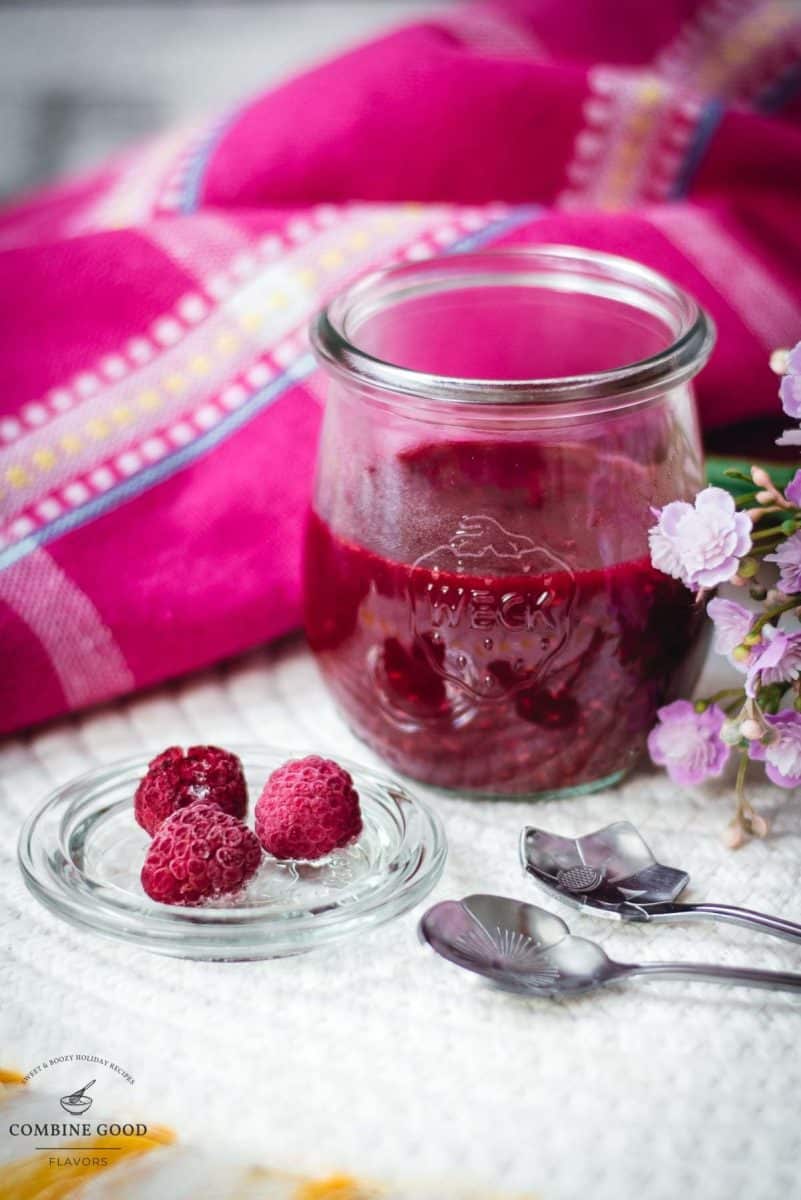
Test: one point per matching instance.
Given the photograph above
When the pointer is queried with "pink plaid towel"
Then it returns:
(158, 415)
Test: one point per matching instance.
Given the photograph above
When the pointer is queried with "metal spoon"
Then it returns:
(614, 873)
(525, 949)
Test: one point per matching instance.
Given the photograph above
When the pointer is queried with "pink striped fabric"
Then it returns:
(157, 379)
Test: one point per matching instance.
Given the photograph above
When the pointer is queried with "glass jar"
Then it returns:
(478, 588)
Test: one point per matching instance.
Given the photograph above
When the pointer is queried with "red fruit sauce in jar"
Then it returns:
(513, 636)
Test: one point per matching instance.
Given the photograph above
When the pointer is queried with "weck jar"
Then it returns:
(478, 587)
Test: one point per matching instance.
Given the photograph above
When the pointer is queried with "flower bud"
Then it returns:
(758, 825)
(735, 836)
(751, 730)
(761, 477)
(748, 568)
(788, 526)
(701, 706)
(730, 733)
(758, 592)
(780, 362)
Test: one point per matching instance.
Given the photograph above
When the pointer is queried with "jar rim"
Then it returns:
(547, 265)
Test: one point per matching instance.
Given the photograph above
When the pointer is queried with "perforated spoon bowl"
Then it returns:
(524, 949)
(613, 873)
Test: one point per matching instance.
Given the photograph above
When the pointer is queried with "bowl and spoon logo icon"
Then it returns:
(77, 1103)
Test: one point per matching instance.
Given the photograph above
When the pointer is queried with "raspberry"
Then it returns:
(308, 808)
(199, 852)
(175, 779)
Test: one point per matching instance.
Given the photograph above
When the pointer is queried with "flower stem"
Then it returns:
(746, 498)
(723, 693)
(771, 613)
(766, 547)
(744, 809)
(773, 531)
(736, 473)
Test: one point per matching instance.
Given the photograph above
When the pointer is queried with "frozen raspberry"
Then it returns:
(308, 808)
(175, 779)
(199, 852)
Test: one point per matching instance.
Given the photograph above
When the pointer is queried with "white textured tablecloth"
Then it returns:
(377, 1057)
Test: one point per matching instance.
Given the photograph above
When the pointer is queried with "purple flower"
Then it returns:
(788, 556)
(777, 659)
(790, 394)
(782, 756)
(687, 743)
(732, 622)
(790, 386)
(793, 490)
(700, 544)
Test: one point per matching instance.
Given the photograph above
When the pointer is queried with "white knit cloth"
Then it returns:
(378, 1058)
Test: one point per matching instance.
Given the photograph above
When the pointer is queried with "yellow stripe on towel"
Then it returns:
(335, 1187)
(10, 1078)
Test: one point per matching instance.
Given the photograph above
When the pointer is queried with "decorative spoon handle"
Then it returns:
(784, 981)
(775, 926)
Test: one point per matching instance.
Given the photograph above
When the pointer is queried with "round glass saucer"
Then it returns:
(81, 853)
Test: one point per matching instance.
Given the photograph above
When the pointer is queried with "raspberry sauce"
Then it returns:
(497, 652)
